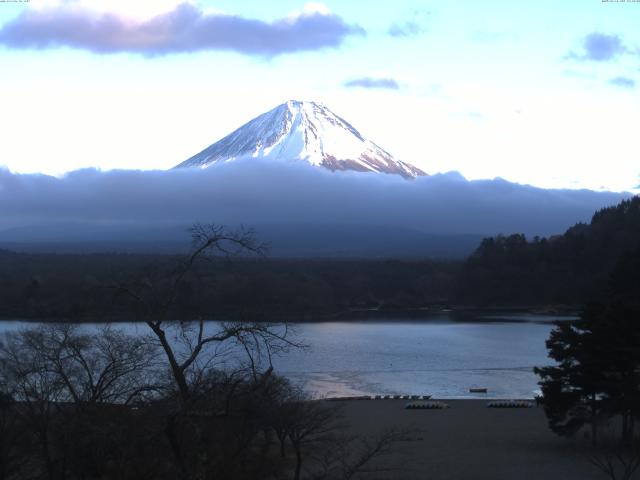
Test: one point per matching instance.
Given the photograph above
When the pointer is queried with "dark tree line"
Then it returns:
(566, 269)
(75, 287)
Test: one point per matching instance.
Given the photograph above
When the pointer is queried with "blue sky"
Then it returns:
(537, 92)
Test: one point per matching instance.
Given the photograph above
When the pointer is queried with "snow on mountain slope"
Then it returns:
(303, 131)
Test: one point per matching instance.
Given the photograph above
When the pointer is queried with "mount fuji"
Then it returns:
(307, 132)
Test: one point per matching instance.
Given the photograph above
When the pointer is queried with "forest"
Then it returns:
(565, 269)
(82, 287)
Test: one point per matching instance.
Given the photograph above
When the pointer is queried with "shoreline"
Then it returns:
(423, 398)
(456, 313)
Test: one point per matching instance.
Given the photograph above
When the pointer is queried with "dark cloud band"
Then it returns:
(184, 29)
(252, 192)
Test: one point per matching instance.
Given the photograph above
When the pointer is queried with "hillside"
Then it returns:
(566, 269)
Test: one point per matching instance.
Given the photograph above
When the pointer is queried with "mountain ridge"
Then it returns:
(303, 131)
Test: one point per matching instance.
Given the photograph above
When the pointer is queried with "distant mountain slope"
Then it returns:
(284, 240)
(570, 268)
(303, 131)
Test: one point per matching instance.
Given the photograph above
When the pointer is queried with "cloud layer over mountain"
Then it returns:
(255, 193)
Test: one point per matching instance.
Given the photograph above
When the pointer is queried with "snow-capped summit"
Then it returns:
(303, 131)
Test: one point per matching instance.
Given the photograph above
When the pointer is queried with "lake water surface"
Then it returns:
(433, 355)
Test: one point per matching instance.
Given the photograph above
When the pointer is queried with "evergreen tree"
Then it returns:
(573, 390)
(572, 268)
(597, 375)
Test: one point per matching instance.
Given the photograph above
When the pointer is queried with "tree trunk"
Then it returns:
(172, 437)
(627, 432)
(298, 463)
(283, 452)
(43, 438)
(594, 420)
(176, 371)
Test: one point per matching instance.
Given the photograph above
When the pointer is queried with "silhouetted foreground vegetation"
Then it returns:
(182, 402)
(597, 376)
(566, 269)
(79, 405)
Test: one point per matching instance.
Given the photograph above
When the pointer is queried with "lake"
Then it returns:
(438, 354)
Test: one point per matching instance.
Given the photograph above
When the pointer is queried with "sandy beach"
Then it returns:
(470, 441)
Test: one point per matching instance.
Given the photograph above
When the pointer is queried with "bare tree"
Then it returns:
(617, 464)
(60, 375)
(184, 355)
(321, 445)
(194, 348)
(104, 366)
(309, 423)
(11, 437)
(348, 457)
(617, 460)
(37, 388)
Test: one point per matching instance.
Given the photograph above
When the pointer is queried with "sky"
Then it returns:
(544, 93)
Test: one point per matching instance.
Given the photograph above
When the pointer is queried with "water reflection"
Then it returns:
(441, 354)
